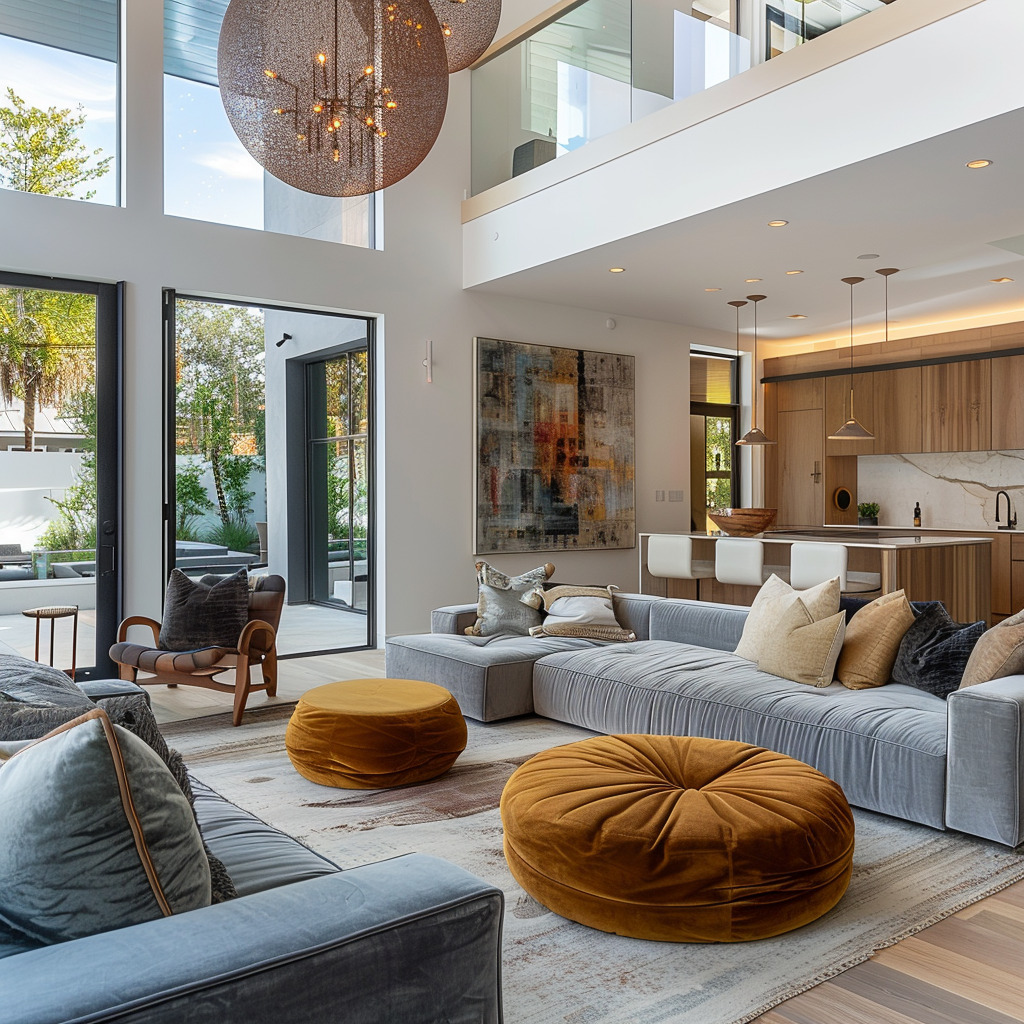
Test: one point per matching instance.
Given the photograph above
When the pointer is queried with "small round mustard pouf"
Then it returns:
(375, 733)
(680, 839)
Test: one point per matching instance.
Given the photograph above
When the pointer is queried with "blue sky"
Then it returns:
(208, 174)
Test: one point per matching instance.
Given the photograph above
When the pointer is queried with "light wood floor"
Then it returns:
(968, 969)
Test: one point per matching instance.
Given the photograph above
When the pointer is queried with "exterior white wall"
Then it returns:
(27, 481)
(425, 451)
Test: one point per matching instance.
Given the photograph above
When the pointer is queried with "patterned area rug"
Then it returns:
(558, 972)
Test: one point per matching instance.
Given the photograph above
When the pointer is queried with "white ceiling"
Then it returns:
(918, 208)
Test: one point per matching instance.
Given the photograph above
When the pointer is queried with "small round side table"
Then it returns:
(57, 612)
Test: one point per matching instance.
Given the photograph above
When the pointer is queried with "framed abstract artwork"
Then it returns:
(554, 451)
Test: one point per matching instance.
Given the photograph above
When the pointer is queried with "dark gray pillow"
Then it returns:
(92, 816)
(935, 651)
(197, 614)
(41, 686)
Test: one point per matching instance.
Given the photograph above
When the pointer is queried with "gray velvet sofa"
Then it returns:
(414, 939)
(956, 764)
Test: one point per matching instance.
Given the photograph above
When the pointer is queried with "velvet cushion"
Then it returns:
(934, 652)
(999, 652)
(97, 835)
(198, 614)
(873, 638)
(375, 733)
(508, 604)
(29, 682)
(678, 838)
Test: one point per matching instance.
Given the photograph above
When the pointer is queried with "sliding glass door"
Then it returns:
(60, 470)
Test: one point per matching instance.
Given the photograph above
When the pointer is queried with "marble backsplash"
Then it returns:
(957, 491)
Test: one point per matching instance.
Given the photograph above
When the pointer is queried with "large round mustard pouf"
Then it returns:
(375, 733)
(676, 838)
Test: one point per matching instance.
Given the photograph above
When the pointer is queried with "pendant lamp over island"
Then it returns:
(755, 435)
(852, 429)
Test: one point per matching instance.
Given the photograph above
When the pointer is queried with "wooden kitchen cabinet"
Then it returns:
(837, 412)
(1007, 407)
(800, 458)
(956, 404)
(793, 395)
(896, 407)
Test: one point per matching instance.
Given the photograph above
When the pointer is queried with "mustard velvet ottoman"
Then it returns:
(678, 839)
(375, 733)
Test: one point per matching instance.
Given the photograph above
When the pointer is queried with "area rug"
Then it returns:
(558, 972)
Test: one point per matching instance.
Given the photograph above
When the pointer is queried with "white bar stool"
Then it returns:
(811, 563)
(740, 561)
(670, 556)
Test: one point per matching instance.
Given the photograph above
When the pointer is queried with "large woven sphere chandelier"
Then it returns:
(468, 27)
(334, 97)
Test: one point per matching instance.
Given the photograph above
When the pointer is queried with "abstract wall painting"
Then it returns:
(555, 448)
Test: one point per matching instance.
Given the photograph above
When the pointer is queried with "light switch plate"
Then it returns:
(677, 495)
(659, 495)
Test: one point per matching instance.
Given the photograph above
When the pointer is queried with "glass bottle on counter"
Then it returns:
(917, 513)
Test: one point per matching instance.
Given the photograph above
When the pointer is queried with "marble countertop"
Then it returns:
(881, 543)
(909, 530)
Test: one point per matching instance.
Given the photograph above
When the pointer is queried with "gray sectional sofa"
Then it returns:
(413, 939)
(956, 763)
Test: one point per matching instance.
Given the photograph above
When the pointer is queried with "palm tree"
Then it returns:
(47, 348)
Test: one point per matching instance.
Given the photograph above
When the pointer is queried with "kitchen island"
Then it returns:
(956, 570)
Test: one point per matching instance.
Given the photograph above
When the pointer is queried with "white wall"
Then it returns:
(27, 481)
(413, 286)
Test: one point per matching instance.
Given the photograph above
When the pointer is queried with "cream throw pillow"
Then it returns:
(999, 652)
(795, 634)
(872, 641)
(772, 600)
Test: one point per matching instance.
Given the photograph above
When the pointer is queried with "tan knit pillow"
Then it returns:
(872, 641)
(801, 648)
(771, 604)
(999, 652)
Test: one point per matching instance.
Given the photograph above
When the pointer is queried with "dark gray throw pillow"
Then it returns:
(935, 651)
(41, 686)
(198, 614)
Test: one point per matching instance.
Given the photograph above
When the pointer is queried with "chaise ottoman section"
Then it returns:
(872, 742)
(490, 676)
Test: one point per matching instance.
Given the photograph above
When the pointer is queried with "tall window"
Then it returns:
(714, 422)
(208, 174)
(58, 98)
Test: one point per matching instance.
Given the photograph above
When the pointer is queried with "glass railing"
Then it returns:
(605, 63)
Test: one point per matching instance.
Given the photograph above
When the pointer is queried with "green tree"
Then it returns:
(47, 348)
(40, 150)
(220, 394)
(190, 499)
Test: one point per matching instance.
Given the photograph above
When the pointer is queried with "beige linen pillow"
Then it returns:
(999, 652)
(801, 648)
(872, 641)
(771, 603)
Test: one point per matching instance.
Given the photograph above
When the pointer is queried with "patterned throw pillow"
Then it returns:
(199, 614)
(92, 816)
(935, 651)
(586, 612)
(508, 604)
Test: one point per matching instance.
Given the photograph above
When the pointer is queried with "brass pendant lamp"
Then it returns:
(755, 435)
(334, 97)
(852, 429)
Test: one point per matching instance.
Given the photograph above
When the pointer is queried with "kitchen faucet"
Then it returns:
(1011, 518)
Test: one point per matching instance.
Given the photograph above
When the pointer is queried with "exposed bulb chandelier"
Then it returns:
(468, 26)
(334, 97)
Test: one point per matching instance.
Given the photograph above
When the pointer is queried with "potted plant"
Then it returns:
(867, 513)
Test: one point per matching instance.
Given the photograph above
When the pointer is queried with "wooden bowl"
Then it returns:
(743, 522)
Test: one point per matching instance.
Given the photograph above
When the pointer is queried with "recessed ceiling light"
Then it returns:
(712, 289)
(976, 165)
(790, 273)
(868, 256)
(1002, 280)
(751, 280)
(777, 223)
(797, 316)
(616, 270)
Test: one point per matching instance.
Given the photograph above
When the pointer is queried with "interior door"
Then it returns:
(800, 455)
(61, 469)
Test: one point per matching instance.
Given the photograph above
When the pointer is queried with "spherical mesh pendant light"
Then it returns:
(335, 97)
(468, 26)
